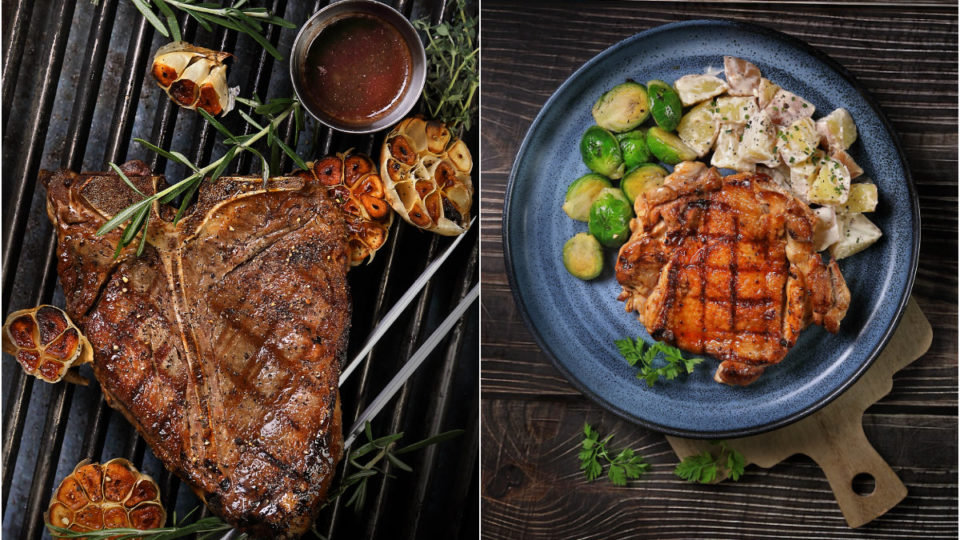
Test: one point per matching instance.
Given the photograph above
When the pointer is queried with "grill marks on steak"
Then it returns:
(222, 343)
(726, 267)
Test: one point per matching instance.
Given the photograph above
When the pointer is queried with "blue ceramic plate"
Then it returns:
(576, 322)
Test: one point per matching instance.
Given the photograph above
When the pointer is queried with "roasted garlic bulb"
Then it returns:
(427, 176)
(45, 342)
(352, 181)
(194, 77)
(95, 497)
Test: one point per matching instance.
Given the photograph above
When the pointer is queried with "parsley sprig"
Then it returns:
(246, 20)
(453, 78)
(637, 353)
(624, 465)
(137, 215)
(703, 468)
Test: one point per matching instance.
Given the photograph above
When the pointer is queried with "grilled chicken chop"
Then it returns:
(222, 342)
(726, 267)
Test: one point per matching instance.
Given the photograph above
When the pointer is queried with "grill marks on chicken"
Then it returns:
(726, 267)
(222, 343)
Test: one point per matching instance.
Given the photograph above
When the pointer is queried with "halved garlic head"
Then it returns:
(113, 495)
(194, 77)
(427, 176)
(45, 342)
(352, 181)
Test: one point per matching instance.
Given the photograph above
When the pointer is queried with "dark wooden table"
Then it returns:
(532, 417)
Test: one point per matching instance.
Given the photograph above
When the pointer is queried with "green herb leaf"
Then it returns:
(453, 79)
(674, 366)
(171, 19)
(700, 468)
(625, 466)
(150, 16)
(704, 468)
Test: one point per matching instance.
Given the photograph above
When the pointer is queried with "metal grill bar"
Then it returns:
(376, 286)
(26, 173)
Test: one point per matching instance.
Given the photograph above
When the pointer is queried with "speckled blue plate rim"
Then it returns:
(905, 294)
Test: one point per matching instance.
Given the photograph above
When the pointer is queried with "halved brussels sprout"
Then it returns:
(582, 256)
(581, 194)
(668, 147)
(610, 218)
(639, 180)
(665, 105)
(601, 152)
(633, 146)
(623, 107)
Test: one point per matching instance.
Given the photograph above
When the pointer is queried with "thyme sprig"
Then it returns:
(246, 20)
(379, 449)
(453, 78)
(137, 215)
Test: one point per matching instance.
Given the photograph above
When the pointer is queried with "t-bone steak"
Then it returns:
(222, 342)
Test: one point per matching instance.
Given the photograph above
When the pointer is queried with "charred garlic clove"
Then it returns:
(113, 495)
(46, 343)
(194, 77)
(352, 181)
(427, 176)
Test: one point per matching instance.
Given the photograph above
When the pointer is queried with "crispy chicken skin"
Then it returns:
(725, 266)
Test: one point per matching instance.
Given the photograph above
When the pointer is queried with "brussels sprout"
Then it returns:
(610, 218)
(623, 107)
(601, 152)
(582, 256)
(633, 146)
(668, 147)
(640, 179)
(581, 194)
(665, 105)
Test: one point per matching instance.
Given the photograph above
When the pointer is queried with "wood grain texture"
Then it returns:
(834, 437)
(906, 55)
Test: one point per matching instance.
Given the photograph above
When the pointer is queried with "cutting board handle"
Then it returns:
(843, 453)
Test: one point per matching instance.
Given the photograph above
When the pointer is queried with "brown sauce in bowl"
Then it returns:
(357, 69)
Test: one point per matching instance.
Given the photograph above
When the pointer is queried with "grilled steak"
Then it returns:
(222, 342)
(726, 267)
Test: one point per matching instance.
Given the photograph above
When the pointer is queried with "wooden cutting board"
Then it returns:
(833, 436)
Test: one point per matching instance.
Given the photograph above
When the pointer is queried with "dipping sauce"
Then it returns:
(357, 69)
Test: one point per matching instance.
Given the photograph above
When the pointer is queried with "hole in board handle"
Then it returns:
(864, 484)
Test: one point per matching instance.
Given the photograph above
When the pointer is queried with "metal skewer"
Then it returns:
(411, 366)
(398, 308)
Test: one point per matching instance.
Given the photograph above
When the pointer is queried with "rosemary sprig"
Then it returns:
(453, 78)
(137, 215)
(204, 527)
(248, 20)
(381, 448)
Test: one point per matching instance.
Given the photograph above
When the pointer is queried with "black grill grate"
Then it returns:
(75, 92)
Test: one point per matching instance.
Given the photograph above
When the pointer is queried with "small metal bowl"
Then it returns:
(341, 10)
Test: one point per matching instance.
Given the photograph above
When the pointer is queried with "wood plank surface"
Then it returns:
(906, 55)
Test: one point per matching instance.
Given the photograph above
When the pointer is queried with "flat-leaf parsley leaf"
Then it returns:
(636, 353)
(703, 468)
(625, 465)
